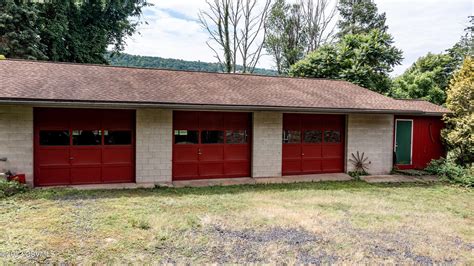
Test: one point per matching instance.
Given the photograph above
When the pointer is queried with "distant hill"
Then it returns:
(169, 63)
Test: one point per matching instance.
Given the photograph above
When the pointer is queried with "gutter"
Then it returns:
(125, 105)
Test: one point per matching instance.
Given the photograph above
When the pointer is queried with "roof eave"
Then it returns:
(103, 104)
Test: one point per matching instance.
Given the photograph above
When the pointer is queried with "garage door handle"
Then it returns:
(71, 158)
(302, 154)
(199, 152)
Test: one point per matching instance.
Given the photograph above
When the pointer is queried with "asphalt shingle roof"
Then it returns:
(33, 81)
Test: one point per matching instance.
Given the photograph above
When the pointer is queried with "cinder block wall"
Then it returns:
(373, 135)
(16, 140)
(154, 145)
(267, 144)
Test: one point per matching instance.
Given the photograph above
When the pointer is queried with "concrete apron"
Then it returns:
(215, 182)
(258, 180)
(398, 178)
(262, 180)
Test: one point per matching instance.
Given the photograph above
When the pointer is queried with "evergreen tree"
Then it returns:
(359, 16)
(465, 46)
(19, 33)
(67, 30)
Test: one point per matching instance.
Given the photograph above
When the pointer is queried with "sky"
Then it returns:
(417, 26)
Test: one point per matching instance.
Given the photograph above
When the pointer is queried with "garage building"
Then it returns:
(73, 124)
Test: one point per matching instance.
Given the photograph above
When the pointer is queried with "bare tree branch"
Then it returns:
(236, 31)
(216, 22)
(253, 27)
(319, 17)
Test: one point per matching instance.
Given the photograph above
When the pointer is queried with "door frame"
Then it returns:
(411, 139)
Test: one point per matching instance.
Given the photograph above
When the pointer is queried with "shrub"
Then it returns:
(460, 122)
(10, 188)
(452, 172)
(357, 174)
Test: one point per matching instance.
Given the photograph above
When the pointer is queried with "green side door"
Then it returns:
(403, 141)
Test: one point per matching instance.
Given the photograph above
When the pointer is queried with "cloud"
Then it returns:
(171, 35)
(418, 27)
(173, 31)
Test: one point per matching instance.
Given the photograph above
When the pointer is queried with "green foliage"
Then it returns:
(67, 30)
(357, 174)
(165, 63)
(364, 59)
(452, 172)
(359, 16)
(285, 37)
(10, 188)
(426, 79)
(19, 34)
(459, 129)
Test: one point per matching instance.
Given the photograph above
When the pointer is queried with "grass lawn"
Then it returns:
(327, 222)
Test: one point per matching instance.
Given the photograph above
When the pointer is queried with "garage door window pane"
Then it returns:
(54, 137)
(332, 136)
(236, 136)
(116, 137)
(186, 137)
(291, 136)
(313, 136)
(212, 137)
(86, 137)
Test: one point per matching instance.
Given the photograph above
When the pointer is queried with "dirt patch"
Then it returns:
(253, 246)
(393, 246)
(290, 236)
(297, 245)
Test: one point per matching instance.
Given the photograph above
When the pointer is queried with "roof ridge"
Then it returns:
(173, 70)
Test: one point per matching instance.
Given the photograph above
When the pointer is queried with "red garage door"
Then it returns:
(83, 146)
(313, 144)
(210, 145)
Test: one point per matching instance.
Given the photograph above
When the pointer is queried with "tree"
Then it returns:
(426, 79)
(54, 29)
(293, 30)
(124, 59)
(276, 33)
(234, 29)
(318, 17)
(75, 30)
(253, 24)
(359, 16)
(216, 22)
(19, 34)
(460, 123)
(364, 59)
(81, 31)
(465, 46)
